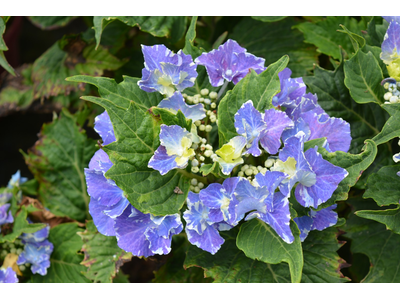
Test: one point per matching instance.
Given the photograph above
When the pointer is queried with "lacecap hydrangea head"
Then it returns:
(166, 72)
(229, 62)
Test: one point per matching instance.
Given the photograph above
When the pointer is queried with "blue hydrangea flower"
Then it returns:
(8, 275)
(264, 203)
(4, 216)
(230, 154)
(37, 254)
(391, 44)
(165, 71)
(36, 237)
(103, 126)
(265, 128)
(316, 220)
(291, 89)
(174, 151)
(229, 62)
(317, 178)
(145, 234)
(16, 180)
(201, 231)
(392, 18)
(176, 102)
(219, 198)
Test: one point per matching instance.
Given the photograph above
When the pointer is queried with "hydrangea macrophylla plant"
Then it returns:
(229, 62)
(136, 232)
(165, 72)
(8, 275)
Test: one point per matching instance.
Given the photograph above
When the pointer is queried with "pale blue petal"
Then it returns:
(8, 275)
(209, 240)
(391, 43)
(291, 88)
(304, 223)
(176, 102)
(162, 162)
(103, 126)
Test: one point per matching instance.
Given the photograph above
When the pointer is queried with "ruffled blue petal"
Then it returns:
(36, 237)
(8, 276)
(16, 180)
(304, 223)
(37, 254)
(392, 18)
(209, 240)
(197, 215)
(252, 198)
(391, 43)
(176, 102)
(100, 161)
(162, 162)
(103, 126)
(324, 218)
(104, 223)
(5, 217)
(291, 88)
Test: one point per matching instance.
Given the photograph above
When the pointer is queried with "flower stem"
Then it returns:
(222, 89)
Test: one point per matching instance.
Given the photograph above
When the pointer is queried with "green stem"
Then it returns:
(191, 175)
(222, 89)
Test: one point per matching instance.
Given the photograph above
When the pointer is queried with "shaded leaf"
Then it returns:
(260, 88)
(65, 260)
(3, 47)
(103, 257)
(391, 129)
(268, 19)
(50, 22)
(389, 217)
(57, 161)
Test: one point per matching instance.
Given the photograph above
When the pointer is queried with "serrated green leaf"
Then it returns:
(356, 40)
(65, 260)
(376, 32)
(273, 40)
(260, 88)
(326, 38)
(389, 217)
(365, 120)
(374, 240)
(103, 257)
(383, 186)
(67, 57)
(160, 26)
(230, 264)
(20, 226)
(173, 270)
(190, 48)
(391, 129)
(136, 133)
(363, 77)
(57, 162)
(355, 164)
(50, 22)
(259, 241)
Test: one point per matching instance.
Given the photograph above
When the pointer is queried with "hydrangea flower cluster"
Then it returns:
(138, 233)
(37, 250)
(390, 55)
(275, 137)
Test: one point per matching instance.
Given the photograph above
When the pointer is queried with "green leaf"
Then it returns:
(325, 36)
(50, 22)
(366, 120)
(273, 40)
(160, 26)
(259, 241)
(356, 40)
(389, 217)
(67, 57)
(3, 47)
(169, 118)
(375, 241)
(268, 19)
(190, 48)
(65, 260)
(20, 226)
(363, 77)
(57, 161)
(391, 129)
(137, 134)
(258, 88)
(355, 164)
(173, 270)
(315, 142)
(230, 264)
(103, 257)
(376, 32)
(383, 186)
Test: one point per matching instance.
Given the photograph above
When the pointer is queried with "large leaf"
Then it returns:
(384, 186)
(161, 26)
(57, 161)
(67, 57)
(389, 217)
(173, 270)
(375, 241)
(3, 47)
(366, 120)
(259, 241)
(20, 226)
(273, 40)
(65, 260)
(103, 257)
(326, 38)
(50, 22)
(230, 264)
(258, 88)
(363, 77)
(137, 133)
(190, 48)
(391, 129)
(355, 164)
